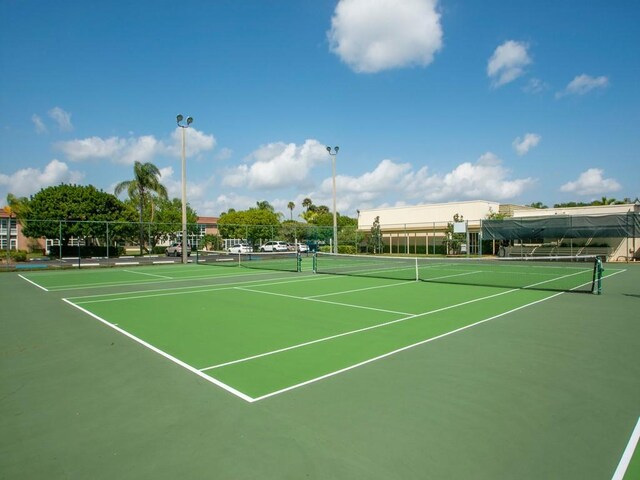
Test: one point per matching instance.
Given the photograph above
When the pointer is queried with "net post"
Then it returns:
(298, 262)
(315, 262)
(417, 271)
(598, 273)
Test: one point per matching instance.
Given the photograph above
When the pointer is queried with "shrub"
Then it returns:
(350, 249)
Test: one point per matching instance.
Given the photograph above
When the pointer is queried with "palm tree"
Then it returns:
(142, 188)
(604, 201)
(306, 203)
(538, 205)
(291, 206)
(264, 205)
(17, 206)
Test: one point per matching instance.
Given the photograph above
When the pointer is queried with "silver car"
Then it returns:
(274, 246)
(175, 250)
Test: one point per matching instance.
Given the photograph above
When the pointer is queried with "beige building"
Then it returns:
(421, 229)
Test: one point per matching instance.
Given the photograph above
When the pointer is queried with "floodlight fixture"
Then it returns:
(179, 119)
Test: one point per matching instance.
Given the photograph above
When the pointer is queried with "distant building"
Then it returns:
(422, 229)
(15, 239)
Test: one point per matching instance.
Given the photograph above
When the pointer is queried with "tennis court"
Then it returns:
(510, 370)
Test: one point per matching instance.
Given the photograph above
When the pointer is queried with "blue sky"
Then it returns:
(430, 101)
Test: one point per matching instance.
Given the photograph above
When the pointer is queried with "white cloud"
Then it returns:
(224, 154)
(487, 178)
(141, 149)
(28, 181)
(591, 183)
(523, 145)
(38, 124)
(92, 148)
(375, 35)
(535, 86)
(196, 142)
(277, 165)
(129, 150)
(507, 62)
(583, 84)
(385, 177)
(197, 188)
(222, 203)
(62, 118)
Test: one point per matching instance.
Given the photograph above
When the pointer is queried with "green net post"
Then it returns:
(299, 261)
(315, 262)
(599, 270)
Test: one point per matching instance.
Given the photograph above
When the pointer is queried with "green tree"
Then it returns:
(253, 225)
(292, 231)
(307, 203)
(493, 215)
(17, 207)
(570, 205)
(537, 205)
(452, 240)
(76, 211)
(605, 201)
(144, 187)
(264, 205)
(168, 223)
(348, 234)
(291, 206)
(375, 237)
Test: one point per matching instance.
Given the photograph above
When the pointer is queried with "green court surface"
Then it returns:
(199, 371)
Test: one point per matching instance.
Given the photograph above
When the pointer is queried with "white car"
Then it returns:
(274, 246)
(303, 247)
(240, 248)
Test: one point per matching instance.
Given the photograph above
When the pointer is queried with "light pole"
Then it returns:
(335, 216)
(179, 119)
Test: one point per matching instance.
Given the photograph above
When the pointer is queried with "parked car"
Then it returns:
(175, 250)
(274, 246)
(240, 248)
(303, 247)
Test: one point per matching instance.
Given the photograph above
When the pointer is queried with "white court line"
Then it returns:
(313, 380)
(224, 386)
(149, 274)
(250, 399)
(342, 292)
(628, 453)
(322, 301)
(388, 354)
(359, 330)
(81, 286)
(33, 283)
(172, 291)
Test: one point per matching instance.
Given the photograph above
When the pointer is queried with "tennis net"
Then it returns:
(280, 261)
(575, 273)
